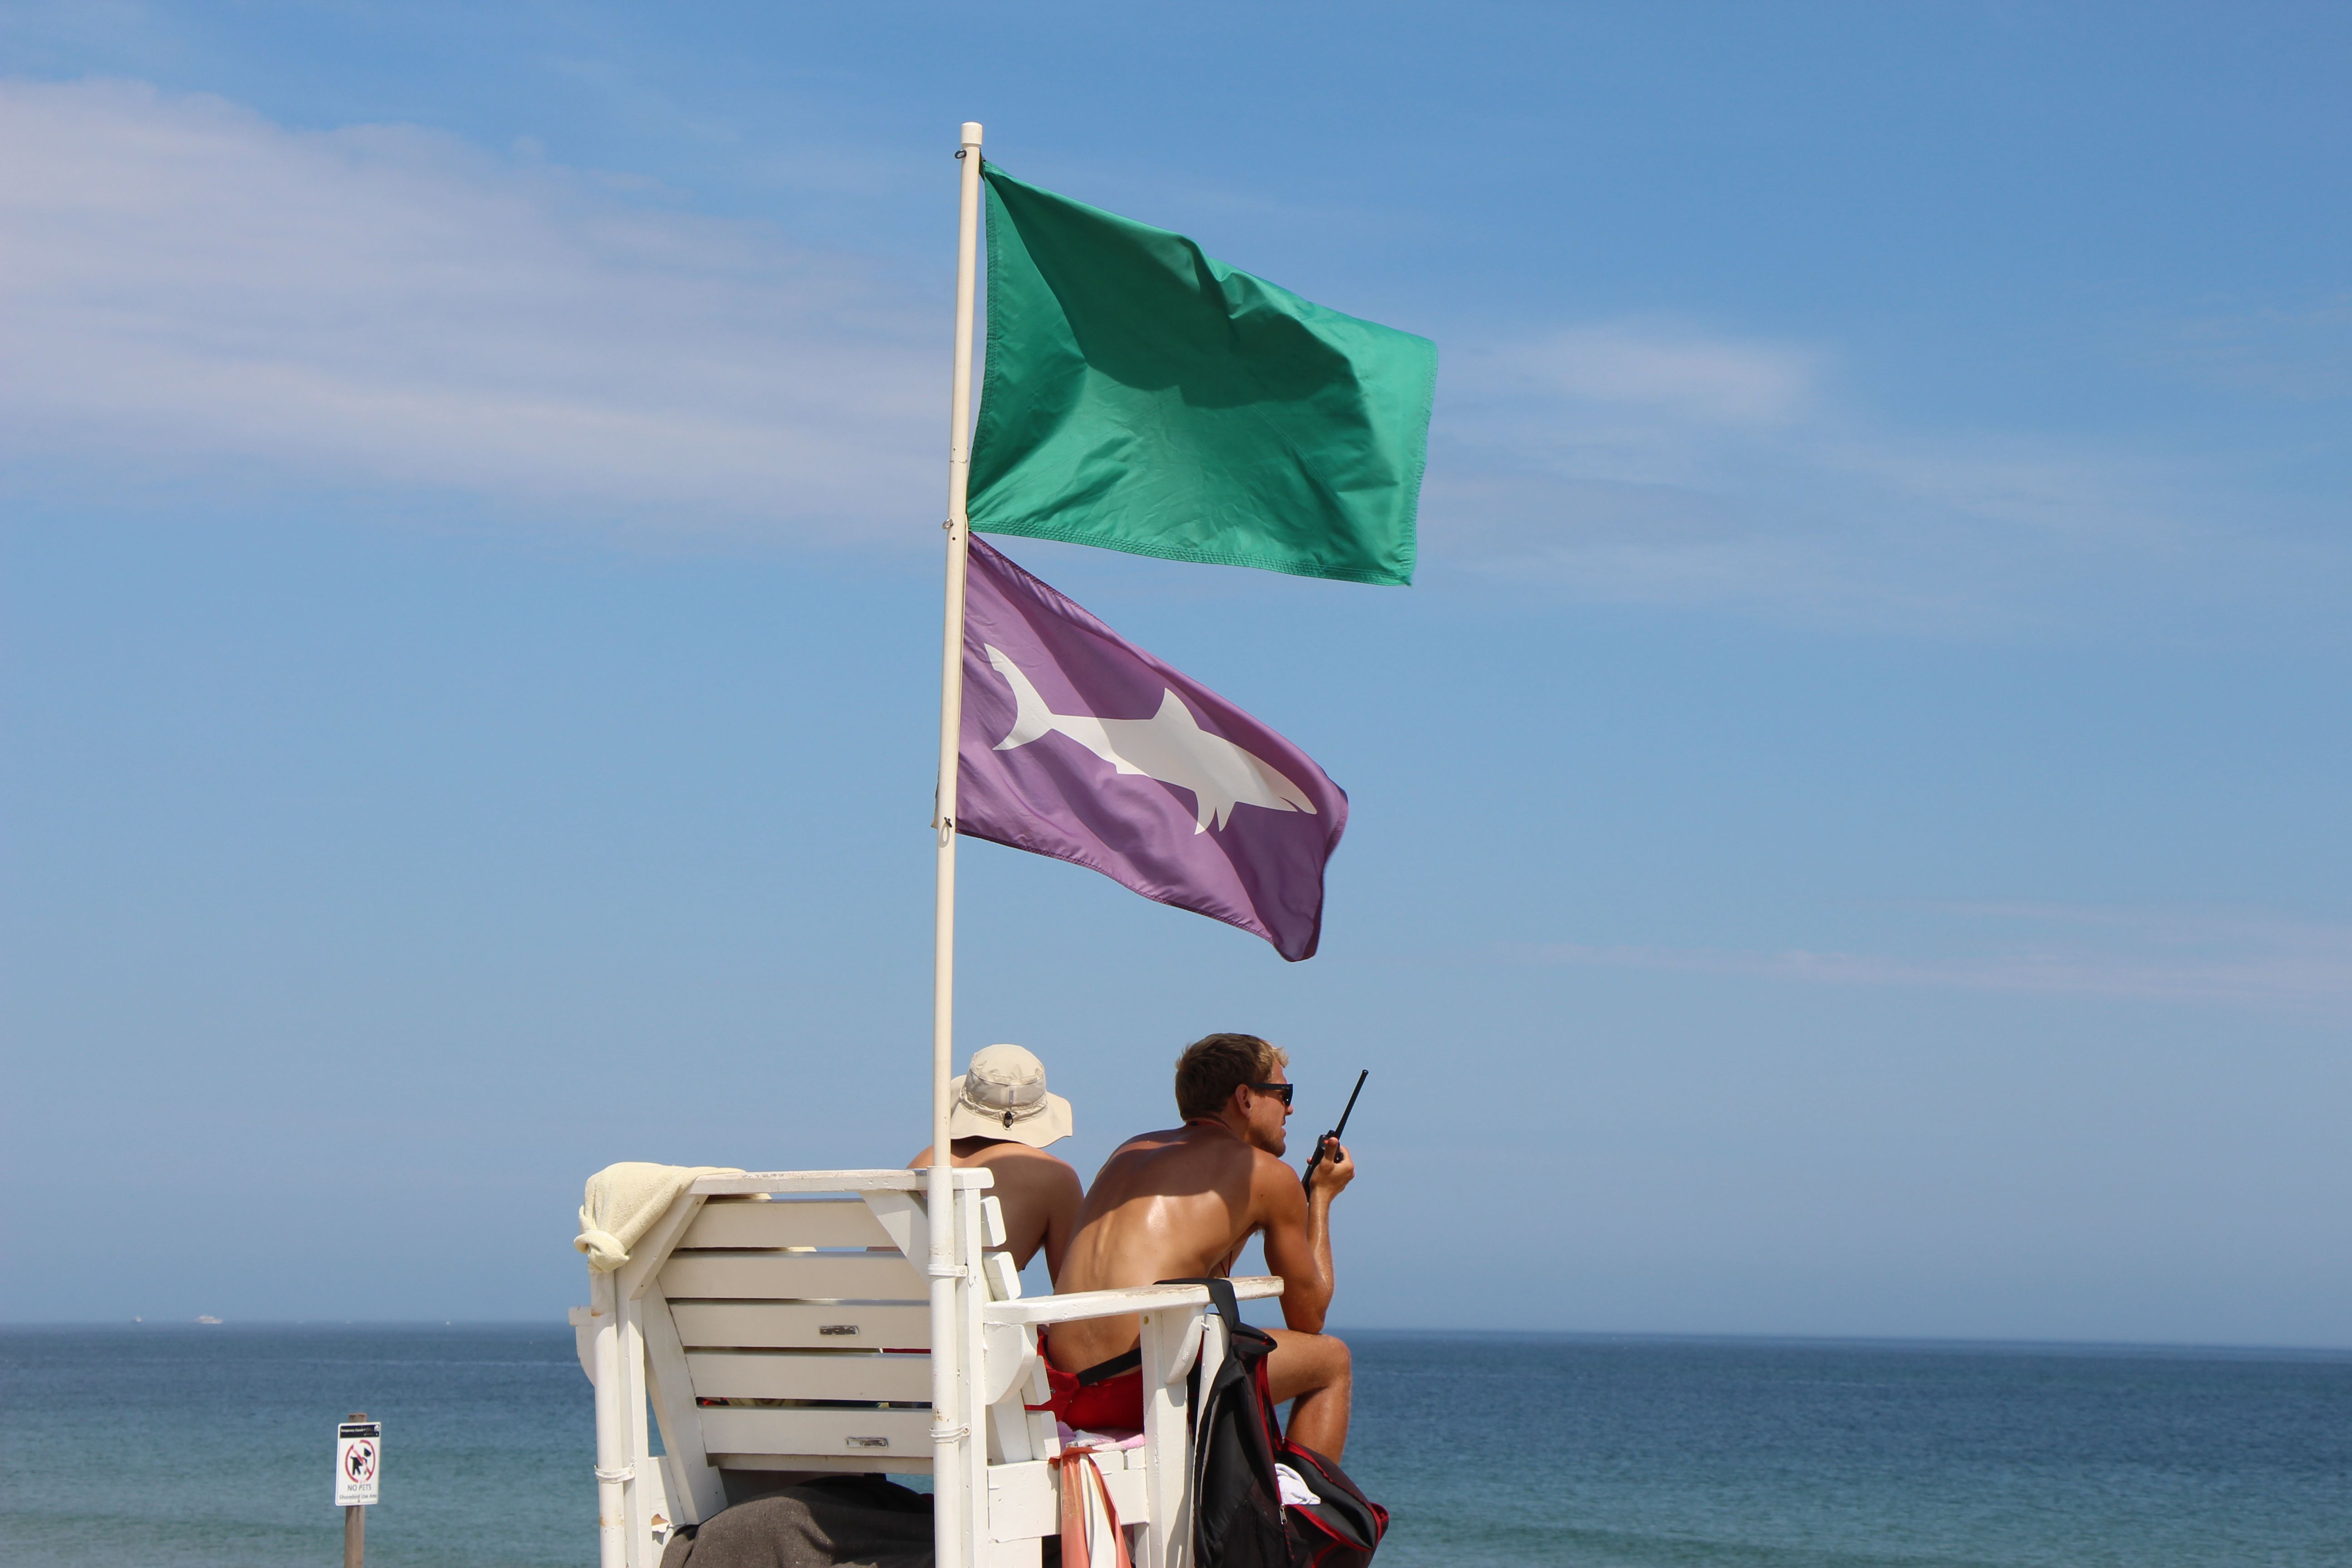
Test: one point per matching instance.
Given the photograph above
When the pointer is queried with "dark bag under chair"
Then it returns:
(1238, 1517)
(1341, 1527)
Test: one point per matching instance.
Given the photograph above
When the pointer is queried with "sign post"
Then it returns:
(359, 1465)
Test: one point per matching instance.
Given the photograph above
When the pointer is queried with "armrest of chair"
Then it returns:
(1080, 1304)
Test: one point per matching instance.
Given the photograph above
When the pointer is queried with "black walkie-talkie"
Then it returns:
(1306, 1178)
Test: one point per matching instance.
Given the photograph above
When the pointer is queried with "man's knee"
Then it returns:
(1321, 1362)
(1309, 1363)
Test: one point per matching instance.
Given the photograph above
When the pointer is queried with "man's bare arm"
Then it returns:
(1298, 1227)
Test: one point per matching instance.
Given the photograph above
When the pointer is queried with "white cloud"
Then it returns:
(184, 282)
(2301, 354)
(1654, 462)
(2167, 955)
(1630, 365)
(181, 279)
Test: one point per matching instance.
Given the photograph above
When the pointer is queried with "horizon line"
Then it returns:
(1890, 1341)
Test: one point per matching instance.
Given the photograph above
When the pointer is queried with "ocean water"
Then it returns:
(186, 1446)
(1640, 1453)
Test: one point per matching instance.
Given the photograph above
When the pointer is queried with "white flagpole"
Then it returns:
(951, 1417)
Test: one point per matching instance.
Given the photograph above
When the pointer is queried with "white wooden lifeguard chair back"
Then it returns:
(781, 1322)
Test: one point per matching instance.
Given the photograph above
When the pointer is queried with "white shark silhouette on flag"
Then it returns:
(1169, 746)
(1166, 817)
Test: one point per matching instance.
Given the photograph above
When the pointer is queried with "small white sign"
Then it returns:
(358, 1462)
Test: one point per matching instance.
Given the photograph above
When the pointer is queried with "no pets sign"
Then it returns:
(358, 1462)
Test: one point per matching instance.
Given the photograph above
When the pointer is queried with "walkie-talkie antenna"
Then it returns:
(1306, 1177)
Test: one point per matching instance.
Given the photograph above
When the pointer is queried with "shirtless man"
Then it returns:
(1002, 1118)
(1180, 1205)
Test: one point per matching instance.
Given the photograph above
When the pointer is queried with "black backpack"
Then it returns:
(1238, 1517)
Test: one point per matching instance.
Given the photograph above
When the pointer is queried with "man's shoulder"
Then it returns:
(1033, 1170)
(1025, 1157)
(1143, 1147)
(1274, 1186)
(1188, 1145)
(1158, 1139)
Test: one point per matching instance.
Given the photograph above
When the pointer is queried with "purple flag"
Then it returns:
(1080, 746)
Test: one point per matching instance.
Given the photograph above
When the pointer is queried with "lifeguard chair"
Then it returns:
(781, 1322)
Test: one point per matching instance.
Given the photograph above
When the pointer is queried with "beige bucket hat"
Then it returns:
(1003, 1096)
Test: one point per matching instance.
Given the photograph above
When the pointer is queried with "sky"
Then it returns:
(1848, 829)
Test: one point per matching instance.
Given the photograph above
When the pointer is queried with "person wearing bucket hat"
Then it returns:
(1001, 1116)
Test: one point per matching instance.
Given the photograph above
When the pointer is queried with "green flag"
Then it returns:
(1143, 397)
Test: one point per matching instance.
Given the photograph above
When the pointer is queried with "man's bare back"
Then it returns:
(1038, 1193)
(1166, 1206)
(1181, 1204)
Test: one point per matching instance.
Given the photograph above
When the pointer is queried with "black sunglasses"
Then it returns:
(1282, 1092)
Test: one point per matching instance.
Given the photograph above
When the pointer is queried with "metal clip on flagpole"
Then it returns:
(950, 1424)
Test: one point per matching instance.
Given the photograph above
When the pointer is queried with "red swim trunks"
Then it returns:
(1106, 1397)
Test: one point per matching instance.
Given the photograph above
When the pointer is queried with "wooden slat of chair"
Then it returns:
(846, 1434)
(895, 1179)
(803, 1325)
(808, 1222)
(792, 1277)
(810, 1374)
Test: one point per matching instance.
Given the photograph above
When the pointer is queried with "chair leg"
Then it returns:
(1167, 1445)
